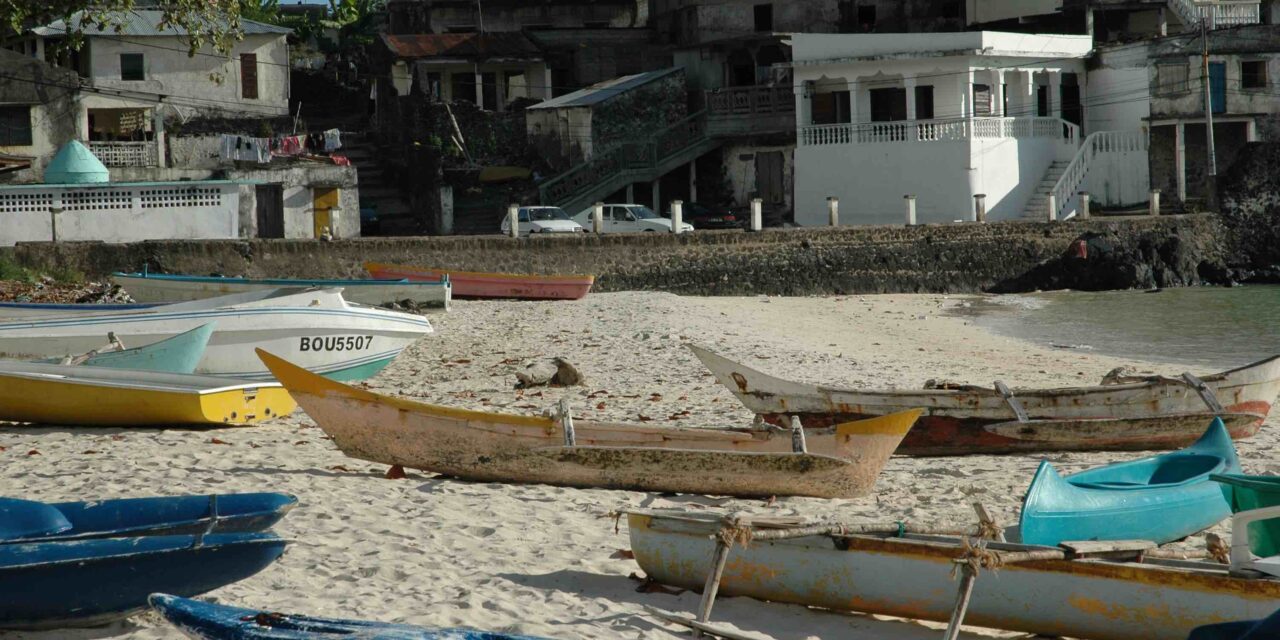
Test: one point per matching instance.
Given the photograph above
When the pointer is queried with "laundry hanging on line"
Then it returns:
(245, 148)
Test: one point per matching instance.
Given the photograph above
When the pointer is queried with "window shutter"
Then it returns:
(249, 76)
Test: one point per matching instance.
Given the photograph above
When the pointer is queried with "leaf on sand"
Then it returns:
(643, 418)
(600, 406)
(624, 554)
(338, 467)
(33, 452)
(217, 441)
(396, 472)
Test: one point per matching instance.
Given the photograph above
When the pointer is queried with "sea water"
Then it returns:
(1212, 327)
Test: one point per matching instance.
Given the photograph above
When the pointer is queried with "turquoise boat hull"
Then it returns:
(1161, 498)
(179, 354)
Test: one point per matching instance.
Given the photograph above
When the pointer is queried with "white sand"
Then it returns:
(538, 559)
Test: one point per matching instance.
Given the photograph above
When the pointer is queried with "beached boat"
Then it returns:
(19, 310)
(82, 583)
(316, 328)
(30, 521)
(179, 354)
(479, 284)
(477, 445)
(209, 621)
(1161, 498)
(1253, 493)
(93, 396)
(1097, 598)
(1155, 413)
(156, 287)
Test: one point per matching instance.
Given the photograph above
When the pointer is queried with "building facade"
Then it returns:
(942, 117)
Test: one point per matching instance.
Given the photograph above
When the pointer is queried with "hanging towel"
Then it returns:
(290, 145)
(332, 140)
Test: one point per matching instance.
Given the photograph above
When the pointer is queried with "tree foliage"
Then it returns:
(212, 23)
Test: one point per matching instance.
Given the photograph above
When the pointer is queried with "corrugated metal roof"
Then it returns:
(601, 91)
(144, 22)
(462, 45)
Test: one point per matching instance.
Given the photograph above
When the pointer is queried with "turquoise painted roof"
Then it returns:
(75, 164)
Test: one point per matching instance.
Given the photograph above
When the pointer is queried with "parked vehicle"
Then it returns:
(543, 220)
(702, 216)
(629, 218)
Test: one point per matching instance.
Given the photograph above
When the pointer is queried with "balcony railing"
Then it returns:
(1219, 13)
(925, 131)
(736, 101)
(126, 154)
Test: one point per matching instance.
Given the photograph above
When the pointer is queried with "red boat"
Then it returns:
(479, 284)
(1149, 413)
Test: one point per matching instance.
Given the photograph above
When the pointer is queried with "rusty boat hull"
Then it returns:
(1090, 599)
(843, 461)
(1157, 413)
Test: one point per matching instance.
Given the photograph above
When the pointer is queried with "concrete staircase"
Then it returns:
(1037, 205)
(376, 190)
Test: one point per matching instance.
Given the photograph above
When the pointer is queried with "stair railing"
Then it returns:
(1066, 189)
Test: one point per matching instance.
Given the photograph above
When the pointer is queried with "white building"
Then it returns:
(134, 77)
(941, 116)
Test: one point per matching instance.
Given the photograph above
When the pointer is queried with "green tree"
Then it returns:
(214, 23)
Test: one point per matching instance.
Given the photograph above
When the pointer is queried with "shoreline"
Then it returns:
(544, 560)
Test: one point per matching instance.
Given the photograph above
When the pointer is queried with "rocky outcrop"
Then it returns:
(1249, 193)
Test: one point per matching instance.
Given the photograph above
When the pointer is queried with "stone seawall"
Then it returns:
(951, 258)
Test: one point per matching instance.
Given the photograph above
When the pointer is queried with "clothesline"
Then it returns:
(261, 150)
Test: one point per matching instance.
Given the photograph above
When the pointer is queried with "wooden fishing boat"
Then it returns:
(1093, 598)
(479, 284)
(93, 396)
(83, 583)
(179, 354)
(30, 521)
(1161, 498)
(209, 621)
(477, 445)
(156, 287)
(315, 327)
(1155, 413)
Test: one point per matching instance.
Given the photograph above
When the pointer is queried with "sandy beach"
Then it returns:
(544, 560)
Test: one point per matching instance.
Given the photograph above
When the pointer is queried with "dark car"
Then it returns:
(709, 217)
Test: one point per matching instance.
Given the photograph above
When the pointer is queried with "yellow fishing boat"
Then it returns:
(96, 396)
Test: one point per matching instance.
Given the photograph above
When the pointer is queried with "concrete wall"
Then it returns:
(950, 258)
(431, 16)
(1118, 98)
(299, 182)
(54, 108)
(206, 82)
(739, 161)
(981, 11)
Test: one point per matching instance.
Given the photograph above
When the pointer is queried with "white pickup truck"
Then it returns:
(629, 218)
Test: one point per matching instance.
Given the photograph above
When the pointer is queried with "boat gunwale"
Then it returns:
(483, 276)
(280, 282)
(260, 538)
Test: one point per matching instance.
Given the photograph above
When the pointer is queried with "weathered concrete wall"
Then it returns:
(1249, 191)
(51, 95)
(937, 258)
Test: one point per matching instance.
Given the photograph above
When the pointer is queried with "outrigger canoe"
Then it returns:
(479, 284)
(1161, 498)
(316, 327)
(94, 396)
(1155, 413)
(157, 287)
(30, 521)
(911, 576)
(840, 462)
(84, 583)
(209, 621)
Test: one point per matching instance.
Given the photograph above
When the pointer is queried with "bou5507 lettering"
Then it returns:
(335, 343)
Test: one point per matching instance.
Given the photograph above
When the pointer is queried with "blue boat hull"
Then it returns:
(219, 622)
(1266, 629)
(1162, 498)
(179, 354)
(50, 585)
(25, 520)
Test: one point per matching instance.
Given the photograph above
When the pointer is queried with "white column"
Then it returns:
(909, 84)
(804, 110)
(997, 92)
(1055, 94)
(966, 94)
(1251, 131)
(479, 89)
(547, 89)
(1029, 94)
(1164, 21)
(500, 77)
(656, 187)
(853, 101)
(1180, 160)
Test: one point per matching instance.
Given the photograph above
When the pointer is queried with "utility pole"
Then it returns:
(1212, 166)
